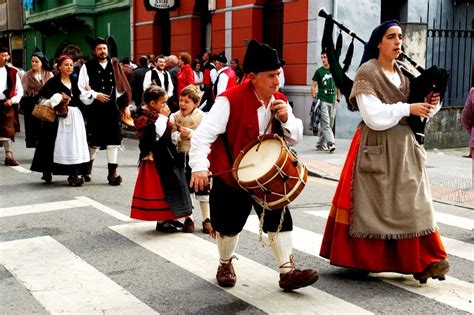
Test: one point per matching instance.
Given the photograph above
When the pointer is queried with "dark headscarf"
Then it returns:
(42, 58)
(371, 49)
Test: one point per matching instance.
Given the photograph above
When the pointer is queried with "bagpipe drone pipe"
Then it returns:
(431, 80)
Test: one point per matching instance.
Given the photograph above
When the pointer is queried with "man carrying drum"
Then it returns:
(239, 116)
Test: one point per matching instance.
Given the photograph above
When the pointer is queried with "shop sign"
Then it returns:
(16, 42)
(160, 4)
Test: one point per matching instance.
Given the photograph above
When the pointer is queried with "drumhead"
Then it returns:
(256, 164)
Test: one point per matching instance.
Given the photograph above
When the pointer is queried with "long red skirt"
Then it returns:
(374, 255)
(149, 202)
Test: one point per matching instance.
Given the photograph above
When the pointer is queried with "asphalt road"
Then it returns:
(74, 250)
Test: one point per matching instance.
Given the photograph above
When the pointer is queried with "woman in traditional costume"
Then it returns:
(62, 147)
(381, 217)
(32, 82)
(161, 191)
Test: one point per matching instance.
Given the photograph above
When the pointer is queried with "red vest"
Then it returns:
(232, 78)
(242, 128)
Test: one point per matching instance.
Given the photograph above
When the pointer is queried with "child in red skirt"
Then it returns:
(185, 121)
(161, 191)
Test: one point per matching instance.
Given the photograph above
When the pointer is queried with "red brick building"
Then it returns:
(198, 25)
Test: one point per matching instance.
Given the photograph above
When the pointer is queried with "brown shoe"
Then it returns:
(226, 275)
(9, 160)
(296, 278)
(188, 226)
(206, 226)
(436, 270)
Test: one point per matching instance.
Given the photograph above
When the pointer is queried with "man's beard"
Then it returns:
(102, 57)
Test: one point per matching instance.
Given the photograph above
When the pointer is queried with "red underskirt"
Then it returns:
(375, 255)
(149, 202)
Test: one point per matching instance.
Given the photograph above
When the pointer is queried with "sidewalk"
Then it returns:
(449, 173)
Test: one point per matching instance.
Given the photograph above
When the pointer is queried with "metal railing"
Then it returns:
(450, 46)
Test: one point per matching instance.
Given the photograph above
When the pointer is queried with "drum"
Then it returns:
(270, 172)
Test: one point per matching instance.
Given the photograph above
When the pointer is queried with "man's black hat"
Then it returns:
(221, 57)
(261, 57)
(93, 42)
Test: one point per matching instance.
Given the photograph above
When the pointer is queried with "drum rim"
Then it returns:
(249, 146)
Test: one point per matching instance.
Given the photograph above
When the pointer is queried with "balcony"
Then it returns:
(11, 16)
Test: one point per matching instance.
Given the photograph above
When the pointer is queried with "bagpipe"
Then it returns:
(426, 81)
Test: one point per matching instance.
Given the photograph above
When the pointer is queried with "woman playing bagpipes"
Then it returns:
(381, 217)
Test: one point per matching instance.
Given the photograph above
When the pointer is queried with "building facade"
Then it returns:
(11, 28)
(58, 27)
(295, 30)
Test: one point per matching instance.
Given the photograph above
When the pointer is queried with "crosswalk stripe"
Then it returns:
(440, 217)
(41, 207)
(453, 292)
(453, 247)
(105, 209)
(80, 201)
(256, 285)
(454, 220)
(21, 169)
(64, 283)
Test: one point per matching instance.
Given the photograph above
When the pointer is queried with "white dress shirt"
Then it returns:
(223, 80)
(88, 96)
(161, 74)
(3, 86)
(380, 116)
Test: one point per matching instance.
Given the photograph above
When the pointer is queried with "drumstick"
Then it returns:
(227, 171)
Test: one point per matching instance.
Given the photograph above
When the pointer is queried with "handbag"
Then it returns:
(44, 112)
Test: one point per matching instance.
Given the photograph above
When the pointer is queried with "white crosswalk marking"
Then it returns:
(64, 283)
(453, 292)
(440, 217)
(21, 169)
(62, 205)
(256, 285)
(49, 267)
(42, 207)
(453, 247)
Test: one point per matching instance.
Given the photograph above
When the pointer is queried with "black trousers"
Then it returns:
(230, 209)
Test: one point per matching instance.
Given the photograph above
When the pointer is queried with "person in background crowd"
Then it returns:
(467, 120)
(161, 192)
(11, 92)
(78, 63)
(198, 75)
(127, 68)
(185, 121)
(226, 77)
(239, 73)
(159, 76)
(32, 82)
(138, 75)
(151, 61)
(98, 86)
(173, 69)
(258, 103)
(62, 148)
(381, 217)
(186, 73)
(328, 95)
(207, 67)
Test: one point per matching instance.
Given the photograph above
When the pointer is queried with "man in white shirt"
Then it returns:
(11, 92)
(238, 117)
(98, 86)
(226, 77)
(159, 76)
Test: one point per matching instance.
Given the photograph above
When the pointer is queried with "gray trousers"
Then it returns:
(326, 122)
